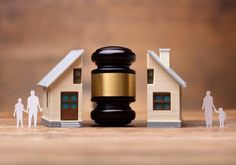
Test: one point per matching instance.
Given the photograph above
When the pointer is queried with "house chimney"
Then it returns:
(165, 56)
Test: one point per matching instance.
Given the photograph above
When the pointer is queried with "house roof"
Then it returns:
(171, 72)
(61, 67)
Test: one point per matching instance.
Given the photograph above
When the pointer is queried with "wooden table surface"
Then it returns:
(136, 144)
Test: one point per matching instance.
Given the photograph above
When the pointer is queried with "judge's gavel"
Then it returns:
(113, 86)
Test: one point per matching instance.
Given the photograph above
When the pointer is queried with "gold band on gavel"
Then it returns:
(113, 84)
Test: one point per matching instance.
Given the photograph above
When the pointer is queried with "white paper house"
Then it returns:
(163, 91)
(62, 92)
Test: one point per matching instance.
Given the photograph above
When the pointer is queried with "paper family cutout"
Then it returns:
(33, 106)
(208, 106)
(32, 110)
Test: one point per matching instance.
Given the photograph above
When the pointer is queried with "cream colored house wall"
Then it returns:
(46, 105)
(162, 82)
(63, 84)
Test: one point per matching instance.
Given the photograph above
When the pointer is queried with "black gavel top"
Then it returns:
(113, 86)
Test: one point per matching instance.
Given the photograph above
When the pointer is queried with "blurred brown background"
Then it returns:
(35, 35)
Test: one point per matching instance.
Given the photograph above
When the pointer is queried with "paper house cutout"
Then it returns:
(62, 92)
(163, 91)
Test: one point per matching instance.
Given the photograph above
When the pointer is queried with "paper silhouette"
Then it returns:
(208, 106)
(18, 112)
(32, 108)
(222, 116)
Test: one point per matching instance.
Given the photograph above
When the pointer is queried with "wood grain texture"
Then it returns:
(192, 144)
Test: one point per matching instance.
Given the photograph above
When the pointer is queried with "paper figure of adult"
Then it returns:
(18, 112)
(208, 106)
(32, 108)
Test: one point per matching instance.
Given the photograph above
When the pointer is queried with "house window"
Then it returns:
(77, 76)
(69, 100)
(161, 101)
(150, 74)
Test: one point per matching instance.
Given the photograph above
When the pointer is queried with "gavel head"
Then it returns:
(113, 86)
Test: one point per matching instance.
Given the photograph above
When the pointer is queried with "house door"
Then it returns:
(69, 105)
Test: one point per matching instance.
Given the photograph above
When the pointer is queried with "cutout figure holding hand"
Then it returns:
(208, 106)
(222, 116)
(32, 108)
(18, 112)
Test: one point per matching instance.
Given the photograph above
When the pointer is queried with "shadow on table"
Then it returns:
(193, 123)
(143, 123)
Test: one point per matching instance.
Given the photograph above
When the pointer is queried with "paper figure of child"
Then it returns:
(208, 106)
(222, 116)
(32, 108)
(18, 112)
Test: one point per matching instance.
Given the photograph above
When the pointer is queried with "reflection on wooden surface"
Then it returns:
(128, 145)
